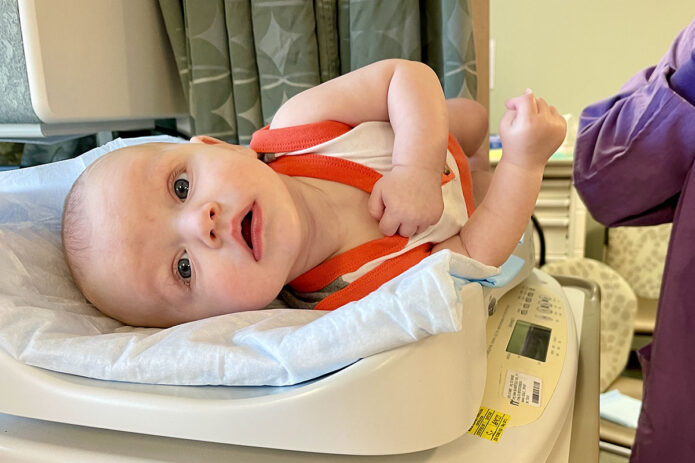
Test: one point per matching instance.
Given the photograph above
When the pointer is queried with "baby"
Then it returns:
(161, 234)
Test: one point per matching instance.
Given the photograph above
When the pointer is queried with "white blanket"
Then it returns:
(45, 321)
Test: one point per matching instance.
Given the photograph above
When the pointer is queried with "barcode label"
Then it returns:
(536, 395)
(521, 388)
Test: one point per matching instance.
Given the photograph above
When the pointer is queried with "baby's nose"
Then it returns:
(199, 223)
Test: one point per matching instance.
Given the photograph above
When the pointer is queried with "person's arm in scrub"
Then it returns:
(635, 149)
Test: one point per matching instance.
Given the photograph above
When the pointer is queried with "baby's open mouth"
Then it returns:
(246, 229)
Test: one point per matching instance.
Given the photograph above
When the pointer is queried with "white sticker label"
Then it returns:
(523, 389)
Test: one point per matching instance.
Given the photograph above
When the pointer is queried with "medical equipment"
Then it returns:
(395, 389)
(376, 406)
(107, 68)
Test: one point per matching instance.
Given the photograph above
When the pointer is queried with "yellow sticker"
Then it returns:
(489, 424)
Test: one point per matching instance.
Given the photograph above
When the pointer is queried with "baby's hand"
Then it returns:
(531, 131)
(407, 200)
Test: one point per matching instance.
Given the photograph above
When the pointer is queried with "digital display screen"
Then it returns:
(529, 340)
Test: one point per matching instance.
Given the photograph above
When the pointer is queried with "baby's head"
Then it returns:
(160, 234)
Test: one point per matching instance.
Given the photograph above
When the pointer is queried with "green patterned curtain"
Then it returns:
(239, 60)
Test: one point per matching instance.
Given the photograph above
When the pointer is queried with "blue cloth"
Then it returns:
(511, 268)
(634, 166)
(619, 408)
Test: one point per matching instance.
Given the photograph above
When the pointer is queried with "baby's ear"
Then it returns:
(207, 140)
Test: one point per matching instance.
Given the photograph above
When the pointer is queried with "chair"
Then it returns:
(639, 255)
(630, 281)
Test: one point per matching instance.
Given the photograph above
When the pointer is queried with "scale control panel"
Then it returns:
(527, 340)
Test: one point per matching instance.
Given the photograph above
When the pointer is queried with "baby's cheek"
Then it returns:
(230, 291)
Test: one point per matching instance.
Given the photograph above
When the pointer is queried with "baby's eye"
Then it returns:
(183, 267)
(181, 186)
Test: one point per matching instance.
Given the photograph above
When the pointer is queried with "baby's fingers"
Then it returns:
(524, 103)
(507, 119)
(407, 230)
(389, 224)
(375, 205)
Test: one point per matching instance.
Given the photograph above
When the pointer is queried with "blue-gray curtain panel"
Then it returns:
(239, 60)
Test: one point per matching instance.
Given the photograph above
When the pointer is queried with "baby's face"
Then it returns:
(182, 232)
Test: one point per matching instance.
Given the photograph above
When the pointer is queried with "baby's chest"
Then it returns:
(356, 223)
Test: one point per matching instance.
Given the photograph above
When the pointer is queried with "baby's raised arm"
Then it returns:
(408, 94)
(531, 131)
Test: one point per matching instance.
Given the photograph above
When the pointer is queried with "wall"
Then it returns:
(575, 52)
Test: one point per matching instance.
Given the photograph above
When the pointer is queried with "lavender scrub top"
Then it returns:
(634, 166)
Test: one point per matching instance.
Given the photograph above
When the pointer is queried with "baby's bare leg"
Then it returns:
(468, 122)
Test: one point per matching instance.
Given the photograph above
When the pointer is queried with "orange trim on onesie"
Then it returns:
(349, 261)
(372, 280)
(296, 138)
(447, 177)
(304, 136)
(327, 168)
(464, 173)
(334, 169)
